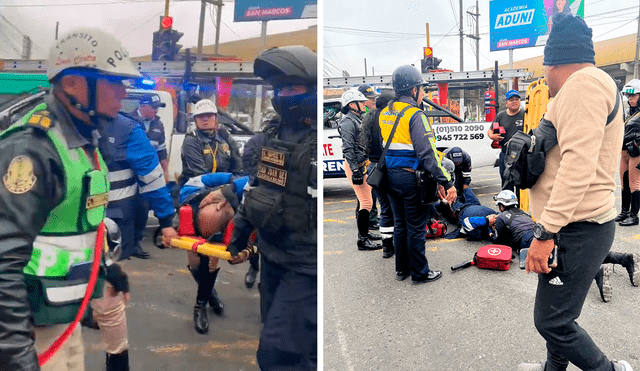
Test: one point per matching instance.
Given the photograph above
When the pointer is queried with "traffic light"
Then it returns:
(165, 45)
(430, 63)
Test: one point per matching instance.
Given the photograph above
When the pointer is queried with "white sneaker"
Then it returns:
(531, 367)
(621, 366)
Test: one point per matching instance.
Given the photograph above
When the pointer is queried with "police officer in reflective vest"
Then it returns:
(282, 206)
(412, 147)
(134, 169)
(52, 199)
(147, 113)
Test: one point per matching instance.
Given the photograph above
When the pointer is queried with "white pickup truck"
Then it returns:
(470, 136)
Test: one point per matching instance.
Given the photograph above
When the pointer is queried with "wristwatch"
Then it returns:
(540, 233)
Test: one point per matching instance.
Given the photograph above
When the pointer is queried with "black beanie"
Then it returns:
(570, 41)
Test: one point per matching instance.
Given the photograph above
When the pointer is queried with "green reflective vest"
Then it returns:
(68, 237)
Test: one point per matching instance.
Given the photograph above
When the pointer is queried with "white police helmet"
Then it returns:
(632, 87)
(204, 106)
(92, 49)
(352, 95)
(506, 198)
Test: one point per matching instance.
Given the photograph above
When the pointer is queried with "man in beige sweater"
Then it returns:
(573, 200)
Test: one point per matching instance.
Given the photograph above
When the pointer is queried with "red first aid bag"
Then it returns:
(493, 257)
(496, 257)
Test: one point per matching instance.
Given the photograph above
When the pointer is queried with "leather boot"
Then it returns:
(200, 320)
(364, 242)
(214, 300)
(250, 277)
(626, 204)
(630, 261)
(603, 282)
(118, 362)
(632, 219)
(387, 248)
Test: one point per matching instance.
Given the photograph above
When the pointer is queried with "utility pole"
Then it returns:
(218, 21)
(26, 47)
(203, 8)
(166, 8)
(263, 34)
(428, 35)
(635, 61)
(476, 35)
(461, 40)
(461, 105)
(365, 66)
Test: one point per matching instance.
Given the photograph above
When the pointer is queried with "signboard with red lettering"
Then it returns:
(261, 10)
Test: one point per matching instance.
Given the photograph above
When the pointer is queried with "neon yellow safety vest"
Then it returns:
(69, 235)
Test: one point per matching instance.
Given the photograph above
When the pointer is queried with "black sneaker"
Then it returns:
(401, 276)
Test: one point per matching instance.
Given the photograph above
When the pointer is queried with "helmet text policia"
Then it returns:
(506, 198)
(289, 66)
(91, 49)
(204, 106)
(632, 87)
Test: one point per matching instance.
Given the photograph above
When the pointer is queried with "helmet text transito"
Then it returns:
(92, 49)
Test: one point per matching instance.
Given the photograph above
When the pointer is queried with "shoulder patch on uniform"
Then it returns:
(40, 120)
(19, 177)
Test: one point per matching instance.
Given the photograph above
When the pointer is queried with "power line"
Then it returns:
(80, 4)
(145, 22)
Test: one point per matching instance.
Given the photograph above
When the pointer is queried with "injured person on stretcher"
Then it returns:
(207, 206)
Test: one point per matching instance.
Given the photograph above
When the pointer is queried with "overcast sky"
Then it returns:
(346, 49)
(133, 21)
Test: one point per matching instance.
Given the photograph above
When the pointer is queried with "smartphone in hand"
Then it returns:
(553, 258)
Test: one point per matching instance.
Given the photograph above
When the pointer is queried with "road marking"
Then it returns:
(337, 211)
(339, 202)
(331, 252)
(334, 221)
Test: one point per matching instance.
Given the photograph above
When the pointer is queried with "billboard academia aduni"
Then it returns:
(525, 23)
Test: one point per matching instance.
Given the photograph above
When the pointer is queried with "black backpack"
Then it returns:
(525, 153)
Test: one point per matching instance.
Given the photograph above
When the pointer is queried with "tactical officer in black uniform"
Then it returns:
(282, 207)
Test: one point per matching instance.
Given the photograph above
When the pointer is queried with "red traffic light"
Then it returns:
(166, 22)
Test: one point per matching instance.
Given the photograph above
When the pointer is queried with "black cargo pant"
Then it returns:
(582, 247)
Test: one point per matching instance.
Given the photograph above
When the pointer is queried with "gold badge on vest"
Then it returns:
(272, 174)
(19, 177)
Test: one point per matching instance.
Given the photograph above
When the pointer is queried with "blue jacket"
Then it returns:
(133, 168)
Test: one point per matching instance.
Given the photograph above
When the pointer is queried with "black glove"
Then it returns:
(117, 278)
(357, 178)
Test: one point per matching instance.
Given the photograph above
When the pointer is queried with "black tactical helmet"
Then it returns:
(405, 78)
(286, 66)
(293, 61)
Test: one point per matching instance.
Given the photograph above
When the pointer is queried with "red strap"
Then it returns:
(199, 242)
(95, 268)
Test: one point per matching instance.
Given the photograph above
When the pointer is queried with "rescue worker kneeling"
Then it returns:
(208, 204)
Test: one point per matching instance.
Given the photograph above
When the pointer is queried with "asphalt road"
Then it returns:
(471, 319)
(160, 318)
